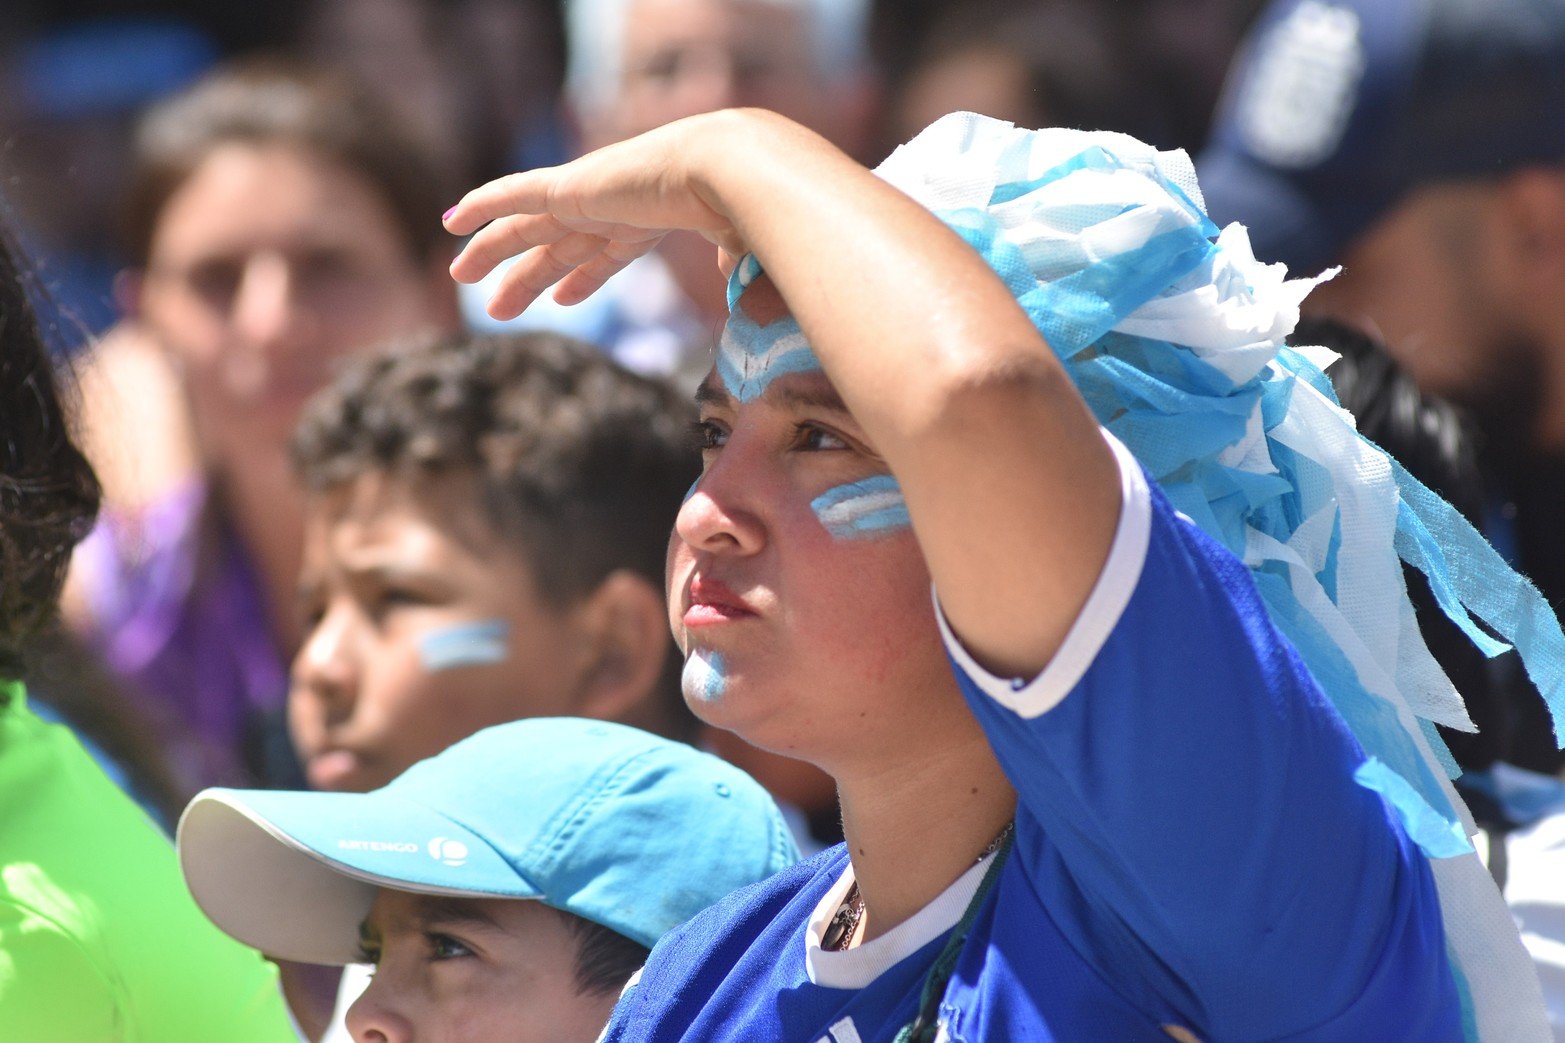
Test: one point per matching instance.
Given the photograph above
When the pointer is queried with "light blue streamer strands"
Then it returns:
(1174, 334)
(862, 510)
(478, 643)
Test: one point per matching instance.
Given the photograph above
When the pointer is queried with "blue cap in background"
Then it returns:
(1335, 109)
(604, 821)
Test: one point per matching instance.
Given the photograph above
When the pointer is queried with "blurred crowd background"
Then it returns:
(222, 203)
(481, 82)
(156, 155)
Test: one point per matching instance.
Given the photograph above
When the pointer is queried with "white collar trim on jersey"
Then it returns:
(861, 965)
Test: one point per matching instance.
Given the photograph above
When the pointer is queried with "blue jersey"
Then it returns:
(1190, 850)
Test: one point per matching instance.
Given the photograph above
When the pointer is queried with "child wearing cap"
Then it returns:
(1157, 760)
(484, 542)
(504, 889)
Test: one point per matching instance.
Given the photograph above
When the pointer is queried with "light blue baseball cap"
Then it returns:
(600, 820)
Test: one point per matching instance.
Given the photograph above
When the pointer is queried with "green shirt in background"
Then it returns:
(99, 939)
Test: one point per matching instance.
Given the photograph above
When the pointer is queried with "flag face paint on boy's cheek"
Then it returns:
(703, 678)
(862, 510)
(750, 357)
(478, 643)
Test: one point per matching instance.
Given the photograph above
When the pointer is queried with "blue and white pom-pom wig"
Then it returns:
(1173, 333)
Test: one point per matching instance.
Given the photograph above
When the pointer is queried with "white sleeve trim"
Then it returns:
(1121, 572)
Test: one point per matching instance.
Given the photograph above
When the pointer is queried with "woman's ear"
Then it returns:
(626, 629)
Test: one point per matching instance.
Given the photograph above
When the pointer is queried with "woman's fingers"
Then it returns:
(580, 263)
(524, 193)
(502, 238)
(587, 278)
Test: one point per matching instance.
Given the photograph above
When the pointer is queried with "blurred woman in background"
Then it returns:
(279, 219)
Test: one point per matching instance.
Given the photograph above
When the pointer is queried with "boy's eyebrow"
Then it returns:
(384, 567)
(434, 911)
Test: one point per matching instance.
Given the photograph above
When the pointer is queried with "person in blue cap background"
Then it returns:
(1159, 758)
(1420, 144)
(504, 889)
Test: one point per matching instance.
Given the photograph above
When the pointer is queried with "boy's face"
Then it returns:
(796, 588)
(422, 625)
(481, 969)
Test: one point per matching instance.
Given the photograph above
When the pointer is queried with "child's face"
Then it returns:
(457, 969)
(796, 587)
(422, 625)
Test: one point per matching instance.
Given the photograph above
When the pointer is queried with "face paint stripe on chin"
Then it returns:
(478, 643)
(750, 356)
(862, 510)
(703, 678)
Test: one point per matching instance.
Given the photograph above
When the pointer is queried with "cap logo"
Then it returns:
(377, 845)
(1299, 95)
(448, 852)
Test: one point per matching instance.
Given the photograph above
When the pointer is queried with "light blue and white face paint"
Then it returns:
(862, 510)
(478, 643)
(750, 357)
(703, 679)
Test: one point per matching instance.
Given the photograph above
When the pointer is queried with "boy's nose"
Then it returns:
(371, 1021)
(325, 664)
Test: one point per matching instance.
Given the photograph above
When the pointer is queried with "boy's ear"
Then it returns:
(627, 631)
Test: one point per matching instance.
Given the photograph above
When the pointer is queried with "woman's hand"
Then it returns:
(576, 225)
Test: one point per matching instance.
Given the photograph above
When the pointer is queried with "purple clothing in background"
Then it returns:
(179, 614)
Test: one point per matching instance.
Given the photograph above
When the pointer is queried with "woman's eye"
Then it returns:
(704, 435)
(819, 439)
(445, 947)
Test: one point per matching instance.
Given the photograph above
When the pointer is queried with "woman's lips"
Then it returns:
(711, 603)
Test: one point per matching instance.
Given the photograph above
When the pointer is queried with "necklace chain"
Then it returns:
(845, 923)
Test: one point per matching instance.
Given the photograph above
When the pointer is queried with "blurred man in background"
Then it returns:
(637, 64)
(1420, 144)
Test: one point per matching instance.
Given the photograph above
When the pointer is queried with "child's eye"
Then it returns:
(367, 953)
(445, 947)
(819, 439)
(392, 598)
(705, 434)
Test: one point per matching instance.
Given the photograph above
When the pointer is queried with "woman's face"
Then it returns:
(796, 588)
(267, 265)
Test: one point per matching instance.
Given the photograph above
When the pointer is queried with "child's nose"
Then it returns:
(325, 664)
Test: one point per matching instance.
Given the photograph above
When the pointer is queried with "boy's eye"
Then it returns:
(369, 953)
(705, 434)
(391, 599)
(445, 947)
